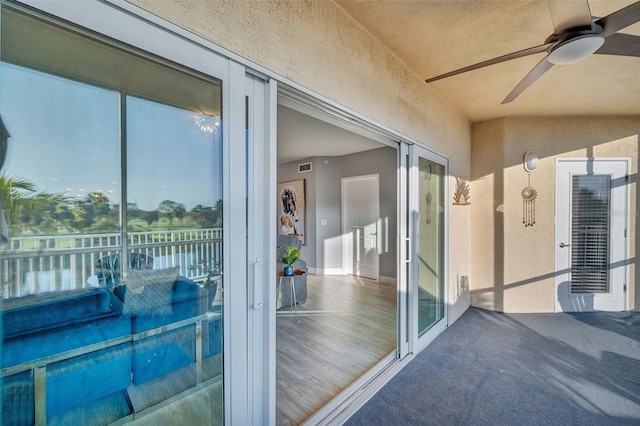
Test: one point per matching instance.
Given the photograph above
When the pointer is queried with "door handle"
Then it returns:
(257, 278)
(408, 248)
(563, 245)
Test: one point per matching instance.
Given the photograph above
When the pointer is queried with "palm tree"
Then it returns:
(19, 198)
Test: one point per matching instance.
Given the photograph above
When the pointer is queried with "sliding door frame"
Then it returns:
(129, 24)
(417, 342)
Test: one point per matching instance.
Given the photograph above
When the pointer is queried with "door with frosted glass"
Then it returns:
(428, 218)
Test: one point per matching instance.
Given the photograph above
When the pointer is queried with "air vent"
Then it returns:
(303, 168)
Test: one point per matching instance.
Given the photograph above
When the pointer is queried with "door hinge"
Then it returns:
(626, 177)
(625, 233)
(624, 288)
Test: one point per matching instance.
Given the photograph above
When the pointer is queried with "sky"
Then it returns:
(65, 138)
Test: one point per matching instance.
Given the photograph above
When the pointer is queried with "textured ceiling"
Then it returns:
(434, 37)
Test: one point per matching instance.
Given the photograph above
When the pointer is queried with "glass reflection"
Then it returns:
(431, 237)
(101, 321)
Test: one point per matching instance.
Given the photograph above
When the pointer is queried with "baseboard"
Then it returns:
(388, 280)
(325, 271)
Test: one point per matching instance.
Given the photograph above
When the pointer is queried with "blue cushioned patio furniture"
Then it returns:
(35, 327)
(101, 346)
(163, 353)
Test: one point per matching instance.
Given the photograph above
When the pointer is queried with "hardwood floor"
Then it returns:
(347, 325)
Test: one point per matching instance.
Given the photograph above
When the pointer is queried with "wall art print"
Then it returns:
(291, 209)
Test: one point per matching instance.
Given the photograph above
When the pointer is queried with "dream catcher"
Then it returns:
(529, 194)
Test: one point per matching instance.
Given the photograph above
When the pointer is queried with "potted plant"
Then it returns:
(288, 256)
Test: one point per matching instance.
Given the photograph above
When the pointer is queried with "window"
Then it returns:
(111, 193)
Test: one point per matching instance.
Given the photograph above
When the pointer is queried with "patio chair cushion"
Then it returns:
(42, 325)
(60, 323)
(150, 292)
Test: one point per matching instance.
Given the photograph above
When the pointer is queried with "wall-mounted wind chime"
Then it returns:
(529, 193)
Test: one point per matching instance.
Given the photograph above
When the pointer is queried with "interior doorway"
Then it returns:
(360, 219)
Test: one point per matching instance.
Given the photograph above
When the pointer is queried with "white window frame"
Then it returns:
(131, 25)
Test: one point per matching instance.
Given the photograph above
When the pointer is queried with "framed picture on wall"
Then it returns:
(291, 209)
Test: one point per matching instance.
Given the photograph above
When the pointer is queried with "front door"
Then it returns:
(591, 234)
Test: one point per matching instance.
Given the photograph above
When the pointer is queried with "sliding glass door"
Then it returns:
(428, 218)
(112, 230)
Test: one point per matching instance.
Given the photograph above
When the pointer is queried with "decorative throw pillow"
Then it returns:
(149, 292)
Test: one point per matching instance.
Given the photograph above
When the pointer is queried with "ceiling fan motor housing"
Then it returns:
(575, 45)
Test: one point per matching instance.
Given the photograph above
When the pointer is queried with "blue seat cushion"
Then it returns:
(46, 311)
(72, 325)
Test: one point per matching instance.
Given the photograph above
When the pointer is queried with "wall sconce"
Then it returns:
(530, 161)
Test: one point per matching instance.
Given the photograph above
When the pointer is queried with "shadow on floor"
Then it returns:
(533, 369)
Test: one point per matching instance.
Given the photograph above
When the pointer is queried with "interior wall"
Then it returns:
(288, 172)
(317, 45)
(384, 162)
(323, 251)
(513, 266)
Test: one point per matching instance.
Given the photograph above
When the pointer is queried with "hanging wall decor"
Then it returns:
(462, 194)
(529, 193)
(426, 174)
(291, 210)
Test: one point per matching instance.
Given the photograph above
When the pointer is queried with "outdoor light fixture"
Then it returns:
(575, 49)
(530, 161)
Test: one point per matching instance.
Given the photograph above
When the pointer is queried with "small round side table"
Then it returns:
(293, 302)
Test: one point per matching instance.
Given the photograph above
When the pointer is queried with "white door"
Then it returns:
(591, 234)
(360, 216)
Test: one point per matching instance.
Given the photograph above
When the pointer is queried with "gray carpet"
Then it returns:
(519, 369)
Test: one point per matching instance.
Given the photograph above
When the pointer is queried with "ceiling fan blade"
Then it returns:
(620, 44)
(569, 14)
(537, 71)
(621, 19)
(504, 58)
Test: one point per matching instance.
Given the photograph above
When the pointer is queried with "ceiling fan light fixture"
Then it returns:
(575, 49)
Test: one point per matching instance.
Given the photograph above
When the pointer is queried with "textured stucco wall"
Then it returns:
(513, 266)
(487, 215)
(317, 45)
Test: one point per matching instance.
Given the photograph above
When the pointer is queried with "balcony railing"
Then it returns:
(40, 264)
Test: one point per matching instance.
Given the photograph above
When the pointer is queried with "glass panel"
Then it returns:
(431, 249)
(590, 234)
(60, 181)
(101, 321)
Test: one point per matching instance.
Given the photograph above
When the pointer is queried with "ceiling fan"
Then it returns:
(577, 35)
